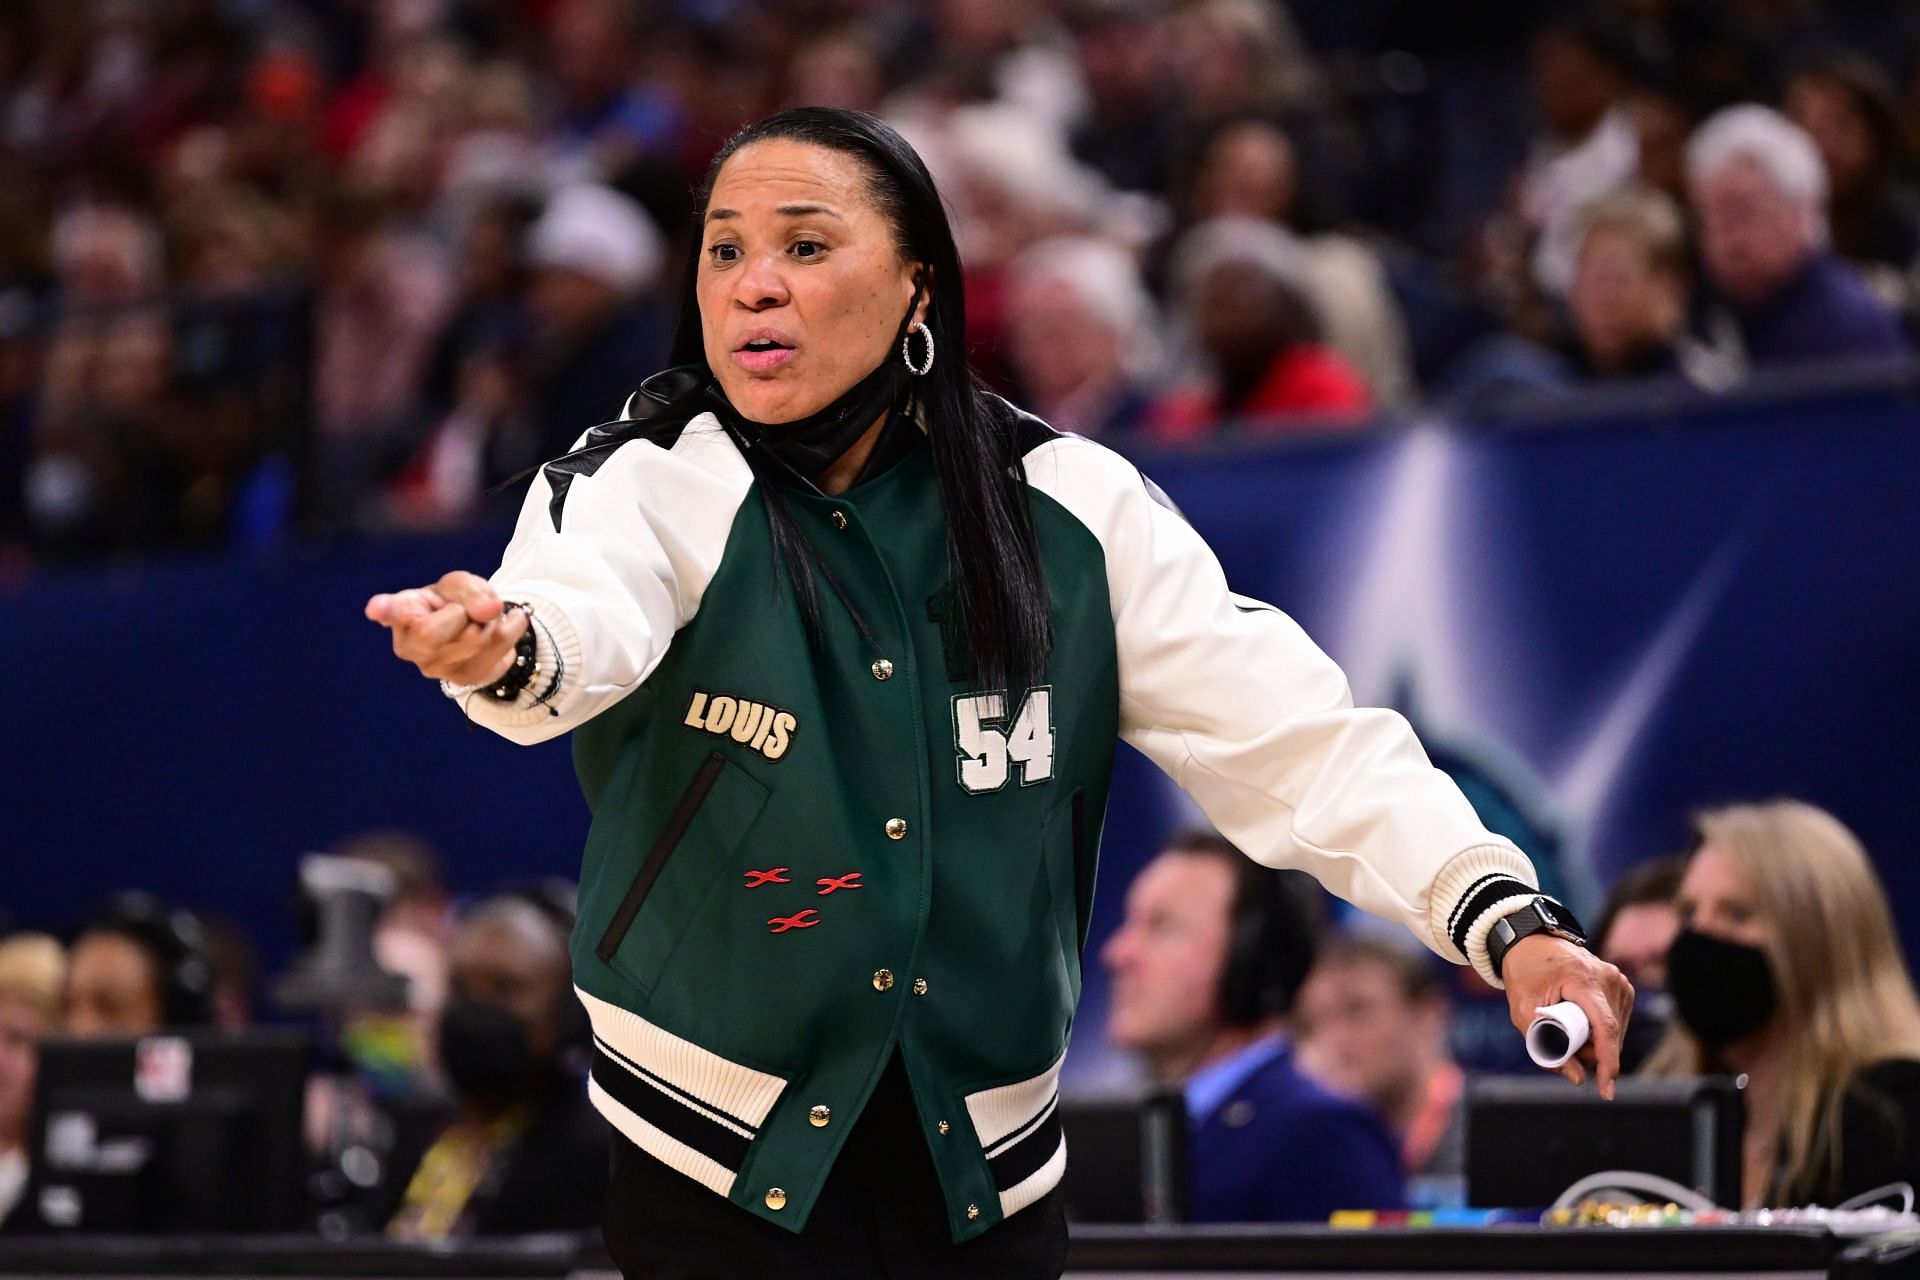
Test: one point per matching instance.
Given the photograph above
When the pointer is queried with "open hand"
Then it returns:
(456, 630)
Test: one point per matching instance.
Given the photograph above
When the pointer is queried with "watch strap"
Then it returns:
(1540, 915)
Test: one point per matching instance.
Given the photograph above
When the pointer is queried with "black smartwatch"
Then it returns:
(1542, 915)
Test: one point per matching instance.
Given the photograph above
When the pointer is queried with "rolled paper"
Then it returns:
(1557, 1033)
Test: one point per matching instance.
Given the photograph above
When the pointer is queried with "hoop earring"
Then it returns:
(906, 351)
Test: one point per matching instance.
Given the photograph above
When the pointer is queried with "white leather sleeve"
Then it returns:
(1238, 706)
(639, 539)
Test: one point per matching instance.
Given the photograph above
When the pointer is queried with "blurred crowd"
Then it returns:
(447, 1096)
(1318, 1057)
(273, 266)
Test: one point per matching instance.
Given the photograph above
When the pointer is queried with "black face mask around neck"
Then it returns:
(811, 444)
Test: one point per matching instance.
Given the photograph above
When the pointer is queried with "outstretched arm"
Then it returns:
(1232, 699)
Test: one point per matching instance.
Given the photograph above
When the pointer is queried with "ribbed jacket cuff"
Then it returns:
(556, 652)
(1471, 893)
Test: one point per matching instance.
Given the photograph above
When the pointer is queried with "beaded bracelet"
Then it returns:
(559, 663)
(518, 676)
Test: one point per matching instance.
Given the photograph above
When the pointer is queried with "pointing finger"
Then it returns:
(402, 607)
(1593, 999)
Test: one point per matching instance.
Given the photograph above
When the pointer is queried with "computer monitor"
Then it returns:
(197, 1131)
(1531, 1137)
(1126, 1159)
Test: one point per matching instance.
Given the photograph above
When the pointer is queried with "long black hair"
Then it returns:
(993, 554)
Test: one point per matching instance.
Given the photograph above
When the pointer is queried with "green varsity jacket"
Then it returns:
(806, 856)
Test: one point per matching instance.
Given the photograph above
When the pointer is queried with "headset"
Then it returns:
(1272, 943)
(177, 945)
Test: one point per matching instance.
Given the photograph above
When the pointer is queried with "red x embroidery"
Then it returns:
(829, 883)
(776, 876)
(780, 924)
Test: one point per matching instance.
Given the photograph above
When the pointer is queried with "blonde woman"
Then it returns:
(32, 969)
(1787, 970)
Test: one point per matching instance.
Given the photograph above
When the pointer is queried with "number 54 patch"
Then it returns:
(989, 745)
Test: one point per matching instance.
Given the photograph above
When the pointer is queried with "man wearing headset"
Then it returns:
(136, 967)
(1205, 966)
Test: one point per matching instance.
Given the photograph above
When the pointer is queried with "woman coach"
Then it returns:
(845, 645)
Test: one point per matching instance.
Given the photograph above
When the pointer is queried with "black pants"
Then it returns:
(880, 1215)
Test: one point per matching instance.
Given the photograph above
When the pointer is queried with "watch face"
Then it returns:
(1551, 920)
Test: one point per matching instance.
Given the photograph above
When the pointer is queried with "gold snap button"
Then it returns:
(840, 520)
(776, 1198)
(973, 1211)
(919, 986)
(896, 828)
(882, 979)
(883, 670)
(819, 1117)
(944, 1126)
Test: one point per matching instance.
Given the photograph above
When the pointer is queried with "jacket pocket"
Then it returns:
(709, 819)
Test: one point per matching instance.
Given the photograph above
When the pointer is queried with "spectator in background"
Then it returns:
(1582, 72)
(1639, 923)
(841, 68)
(1011, 184)
(1243, 288)
(32, 970)
(1231, 57)
(1848, 107)
(524, 1150)
(487, 430)
(489, 436)
(607, 124)
(1205, 965)
(1131, 129)
(1626, 317)
(393, 1050)
(401, 156)
(1374, 1019)
(1663, 119)
(1248, 168)
(381, 298)
(1759, 193)
(1787, 969)
(105, 257)
(238, 375)
(100, 477)
(137, 967)
(596, 328)
(1636, 928)
(1082, 336)
(1628, 295)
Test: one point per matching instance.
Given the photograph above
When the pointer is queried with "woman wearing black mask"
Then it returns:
(1787, 969)
(523, 1151)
